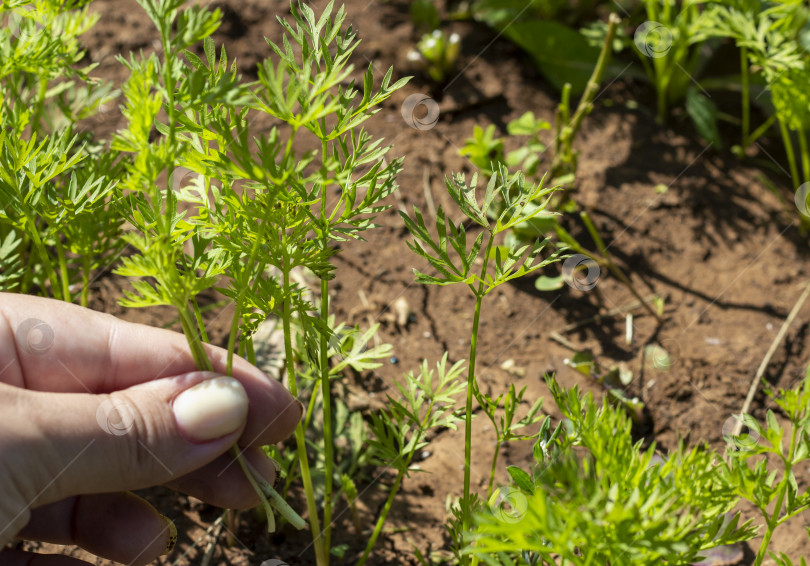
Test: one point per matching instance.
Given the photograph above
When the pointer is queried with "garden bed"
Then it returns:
(683, 219)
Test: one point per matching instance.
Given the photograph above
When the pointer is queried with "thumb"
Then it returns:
(70, 444)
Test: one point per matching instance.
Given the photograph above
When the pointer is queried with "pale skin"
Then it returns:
(66, 469)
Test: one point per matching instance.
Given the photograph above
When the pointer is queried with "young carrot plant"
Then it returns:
(750, 457)
(501, 412)
(616, 503)
(594, 497)
(437, 54)
(454, 260)
(486, 152)
(425, 403)
(261, 208)
(57, 215)
(769, 41)
(668, 44)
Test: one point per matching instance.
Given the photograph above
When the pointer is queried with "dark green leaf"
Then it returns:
(562, 54)
(521, 479)
(703, 112)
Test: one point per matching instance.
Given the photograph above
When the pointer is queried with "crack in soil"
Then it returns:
(431, 321)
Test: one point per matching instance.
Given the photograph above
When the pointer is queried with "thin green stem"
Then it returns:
(760, 131)
(271, 523)
(661, 89)
(395, 488)
(198, 317)
(193, 337)
(466, 509)
(774, 520)
(791, 154)
(805, 155)
(28, 274)
(381, 520)
(492, 470)
(564, 161)
(325, 381)
(203, 362)
(766, 541)
(85, 279)
(237, 314)
(615, 269)
(746, 101)
(592, 89)
(33, 231)
(63, 271)
(169, 83)
(327, 420)
(300, 440)
(310, 409)
(276, 500)
(250, 353)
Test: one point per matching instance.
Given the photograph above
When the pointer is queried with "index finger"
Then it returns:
(49, 345)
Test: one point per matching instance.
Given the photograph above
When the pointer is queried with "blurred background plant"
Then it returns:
(594, 496)
(437, 54)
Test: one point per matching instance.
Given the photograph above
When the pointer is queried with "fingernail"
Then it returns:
(277, 477)
(211, 409)
(172, 535)
(302, 409)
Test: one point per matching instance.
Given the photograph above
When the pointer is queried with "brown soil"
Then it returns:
(717, 243)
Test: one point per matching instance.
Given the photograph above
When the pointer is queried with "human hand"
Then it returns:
(92, 406)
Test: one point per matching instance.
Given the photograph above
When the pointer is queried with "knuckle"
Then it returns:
(136, 429)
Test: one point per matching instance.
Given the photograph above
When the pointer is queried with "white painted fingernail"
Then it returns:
(211, 409)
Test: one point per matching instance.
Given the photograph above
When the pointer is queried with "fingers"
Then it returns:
(117, 526)
(126, 528)
(222, 482)
(21, 558)
(59, 445)
(48, 345)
